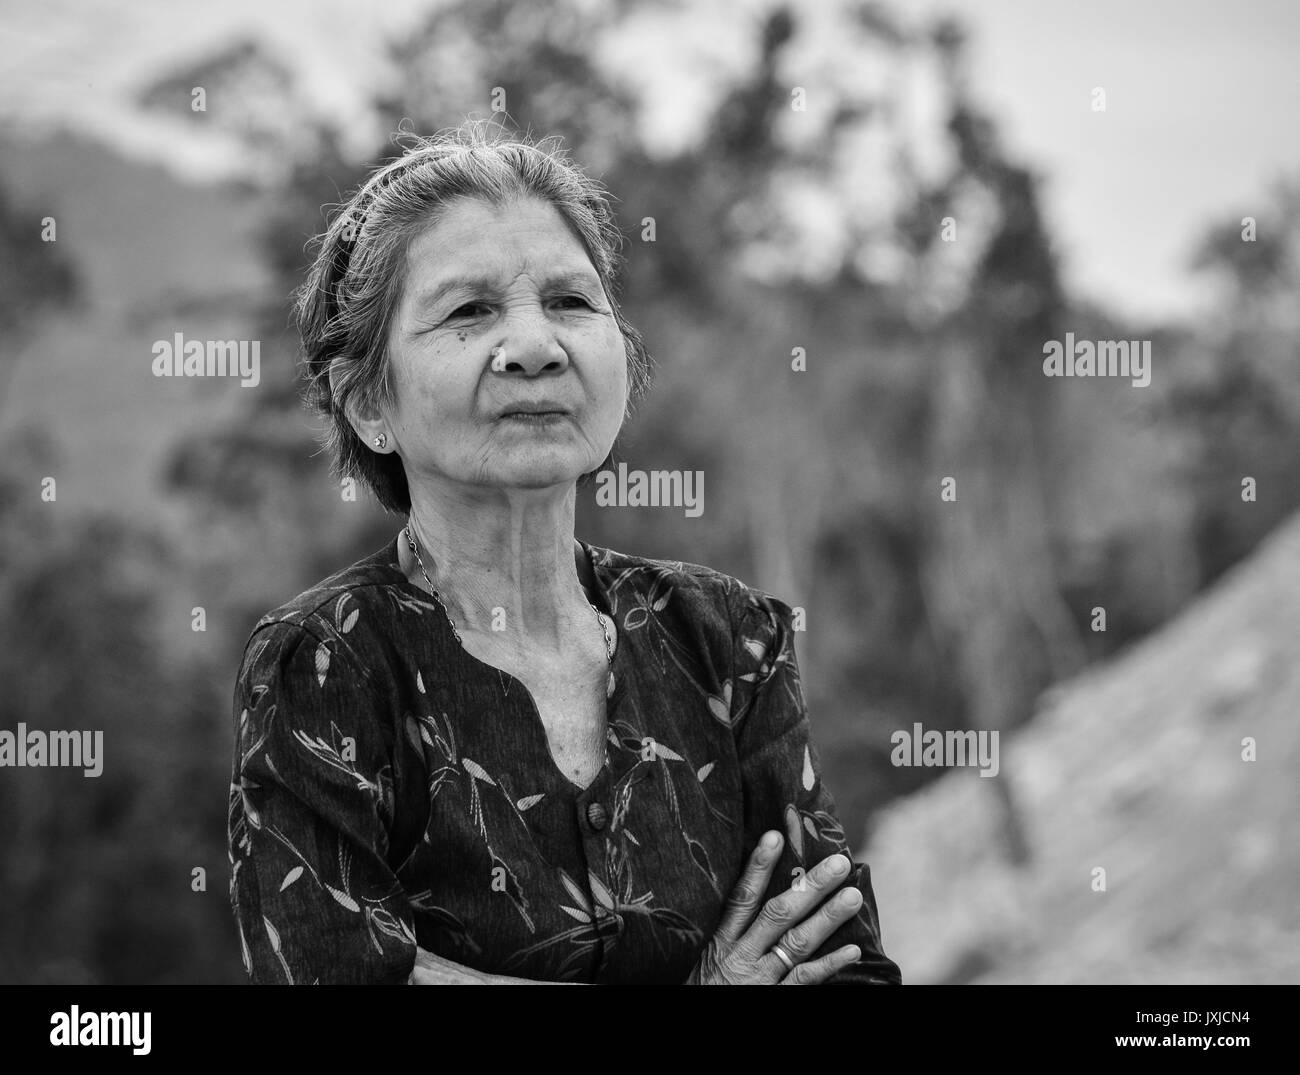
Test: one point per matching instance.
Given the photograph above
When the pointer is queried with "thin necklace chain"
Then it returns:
(600, 617)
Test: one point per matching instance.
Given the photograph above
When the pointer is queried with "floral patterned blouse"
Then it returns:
(389, 789)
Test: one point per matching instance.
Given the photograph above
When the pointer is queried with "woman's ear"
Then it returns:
(364, 419)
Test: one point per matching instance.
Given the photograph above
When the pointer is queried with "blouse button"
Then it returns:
(596, 816)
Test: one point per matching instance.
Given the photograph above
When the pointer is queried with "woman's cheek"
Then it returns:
(448, 375)
(614, 366)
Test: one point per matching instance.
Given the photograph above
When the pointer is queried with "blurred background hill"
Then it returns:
(773, 229)
(1137, 767)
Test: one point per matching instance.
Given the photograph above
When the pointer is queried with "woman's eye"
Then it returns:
(469, 309)
(577, 299)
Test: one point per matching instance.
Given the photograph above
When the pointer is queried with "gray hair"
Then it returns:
(345, 308)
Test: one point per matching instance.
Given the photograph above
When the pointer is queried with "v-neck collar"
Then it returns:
(617, 765)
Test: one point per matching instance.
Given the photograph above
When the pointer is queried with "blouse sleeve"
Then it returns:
(782, 777)
(311, 804)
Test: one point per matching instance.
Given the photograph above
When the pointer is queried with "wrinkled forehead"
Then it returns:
(473, 243)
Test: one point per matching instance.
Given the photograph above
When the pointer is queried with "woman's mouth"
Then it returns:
(534, 417)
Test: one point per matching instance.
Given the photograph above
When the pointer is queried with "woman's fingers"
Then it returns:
(785, 914)
(799, 919)
(801, 941)
(748, 893)
(819, 970)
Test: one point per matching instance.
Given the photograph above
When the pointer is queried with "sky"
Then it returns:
(1202, 116)
(1202, 100)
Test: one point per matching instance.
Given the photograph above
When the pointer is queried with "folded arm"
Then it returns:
(782, 778)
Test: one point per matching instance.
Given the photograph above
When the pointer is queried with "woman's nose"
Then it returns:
(530, 346)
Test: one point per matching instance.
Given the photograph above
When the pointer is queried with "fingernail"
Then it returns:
(838, 865)
(770, 840)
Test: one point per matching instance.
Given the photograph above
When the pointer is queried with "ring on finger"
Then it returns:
(783, 956)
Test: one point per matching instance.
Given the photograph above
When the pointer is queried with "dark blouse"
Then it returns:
(390, 789)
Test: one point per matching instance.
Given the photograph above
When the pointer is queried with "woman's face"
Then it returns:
(515, 277)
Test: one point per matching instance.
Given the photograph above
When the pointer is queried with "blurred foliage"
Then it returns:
(97, 870)
(1237, 407)
(822, 487)
(35, 278)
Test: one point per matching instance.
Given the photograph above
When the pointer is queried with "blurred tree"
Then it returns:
(990, 577)
(1238, 405)
(96, 875)
(35, 278)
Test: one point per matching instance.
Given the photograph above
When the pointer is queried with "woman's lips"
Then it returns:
(534, 417)
(535, 406)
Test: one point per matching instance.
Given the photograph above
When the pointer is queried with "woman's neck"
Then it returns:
(504, 566)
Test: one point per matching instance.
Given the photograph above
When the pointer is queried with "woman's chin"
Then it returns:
(541, 472)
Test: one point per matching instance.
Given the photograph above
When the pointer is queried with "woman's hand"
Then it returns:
(740, 952)
(435, 970)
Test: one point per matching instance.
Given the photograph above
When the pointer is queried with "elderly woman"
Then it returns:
(491, 752)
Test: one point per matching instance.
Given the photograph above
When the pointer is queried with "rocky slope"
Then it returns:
(1135, 767)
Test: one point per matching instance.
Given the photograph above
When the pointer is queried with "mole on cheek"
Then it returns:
(460, 336)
